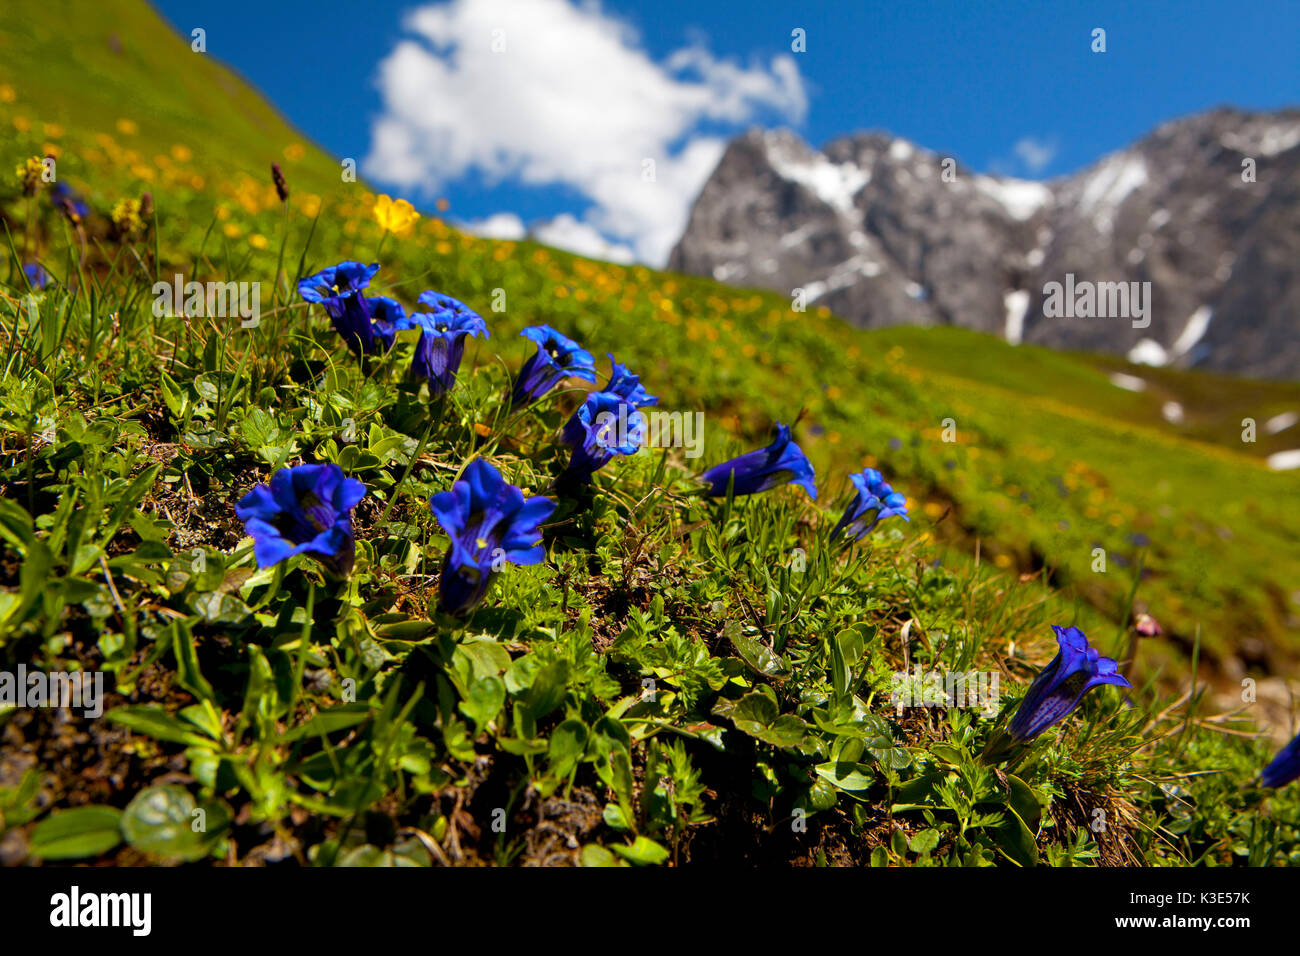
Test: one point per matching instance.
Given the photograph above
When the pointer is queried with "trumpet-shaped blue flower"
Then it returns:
(386, 317)
(441, 347)
(339, 290)
(874, 502)
(780, 463)
(490, 522)
(604, 425)
(628, 386)
(1285, 766)
(556, 359)
(1058, 688)
(304, 510)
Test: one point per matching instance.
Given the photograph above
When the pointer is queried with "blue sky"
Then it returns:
(551, 127)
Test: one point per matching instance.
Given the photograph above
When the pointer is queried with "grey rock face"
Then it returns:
(886, 233)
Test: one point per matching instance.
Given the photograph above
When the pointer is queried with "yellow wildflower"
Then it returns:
(395, 215)
(30, 174)
(127, 220)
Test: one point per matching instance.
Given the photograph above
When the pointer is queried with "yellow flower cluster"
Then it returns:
(127, 219)
(29, 173)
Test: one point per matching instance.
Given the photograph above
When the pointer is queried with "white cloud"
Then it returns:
(501, 225)
(566, 232)
(1036, 154)
(568, 97)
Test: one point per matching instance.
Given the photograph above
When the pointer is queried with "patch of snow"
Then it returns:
(1017, 304)
(900, 150)
(1266, 142)
(1194, 330)
(1110, 185)
(915, 290)
(1280, 423)
(798, 235)
(832, 183)
(1020, 197)
(814, 291)
(1130, 383)
(1172, 412)
(1158, 218)
(1148, 352)
(1284, 460)
(729, 270)
(1034, 259)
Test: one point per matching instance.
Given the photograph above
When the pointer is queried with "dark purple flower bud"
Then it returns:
(281, 187)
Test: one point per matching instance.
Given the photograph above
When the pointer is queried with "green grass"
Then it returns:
(328, 722)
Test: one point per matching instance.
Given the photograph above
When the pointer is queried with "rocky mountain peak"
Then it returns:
(1181, 248)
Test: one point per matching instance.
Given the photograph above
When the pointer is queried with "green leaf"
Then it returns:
(643, 850)
(1015, 840)
(568, 746)
(924, 842)
(159, 724)
(188, 674)
(166, 823)
(758, 656)
(547, 690)
(846, 776)
(484, 701)
(593, 854)
(1025, 803)
(81, 832)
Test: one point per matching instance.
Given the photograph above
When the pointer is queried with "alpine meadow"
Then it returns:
(335, 535)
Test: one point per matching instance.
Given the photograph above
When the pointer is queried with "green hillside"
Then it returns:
(126, 438)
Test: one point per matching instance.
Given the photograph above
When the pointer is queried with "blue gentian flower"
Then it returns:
(386, 317)
(1058, 688)
(67, 198)
(304, 510)
(1285, 766)
(338, 289)
(623, 383)
(490, 522)
(556, 359)
(874, 502)
(442, 339)
(36, 275)
(604, 425)
(781, 462)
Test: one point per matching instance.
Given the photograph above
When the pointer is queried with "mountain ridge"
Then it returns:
(885, 232)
